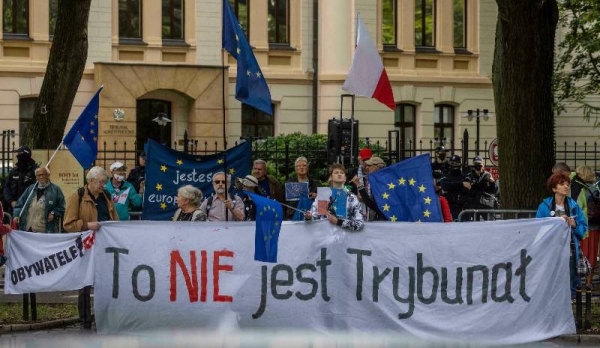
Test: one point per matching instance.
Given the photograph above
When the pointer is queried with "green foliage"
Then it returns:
(12, 313)
(577, 64)
(281, 152)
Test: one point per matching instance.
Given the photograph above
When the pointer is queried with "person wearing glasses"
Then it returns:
(86, 209)
(41, 206)
(483, 186)
(221, 206)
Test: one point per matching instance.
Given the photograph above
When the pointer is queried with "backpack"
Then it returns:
(593, 205)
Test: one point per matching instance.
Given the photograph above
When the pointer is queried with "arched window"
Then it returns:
(257, 124)
(15, 18)
(26, 110)
(405, 121)
(443, 124)
(172, 20)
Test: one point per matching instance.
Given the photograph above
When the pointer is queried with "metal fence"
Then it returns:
(282, 155)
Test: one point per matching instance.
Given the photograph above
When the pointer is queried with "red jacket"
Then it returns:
(445, 209)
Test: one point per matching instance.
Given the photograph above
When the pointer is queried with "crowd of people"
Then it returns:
(38, 205)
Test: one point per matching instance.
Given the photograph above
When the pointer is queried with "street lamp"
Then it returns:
(162, 120)
(477, 113)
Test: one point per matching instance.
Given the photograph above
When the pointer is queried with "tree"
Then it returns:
(522, 79)
(577, 68)
(63, 74)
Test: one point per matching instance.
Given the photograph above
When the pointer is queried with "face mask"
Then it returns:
(442, 156)
(119, 178)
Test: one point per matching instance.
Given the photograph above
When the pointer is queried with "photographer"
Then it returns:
(138, 174)
(483, 186)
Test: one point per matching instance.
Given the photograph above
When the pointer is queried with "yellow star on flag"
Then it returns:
(220, 161)
(232, 171)
(427, 200)
(163, 168)
(158, 187)
(393, 218)
(422, 188)
(426, 213)
(386, 207)
(411, 182)
(402, 181)
(385, 195)
(163, 205)
(391, 185)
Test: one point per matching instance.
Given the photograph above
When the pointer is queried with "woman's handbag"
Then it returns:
(583, 266)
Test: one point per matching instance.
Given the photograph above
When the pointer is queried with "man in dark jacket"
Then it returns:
(137, 175)
(373, 213)
(456, 187)
(483, 186)
(20, 177)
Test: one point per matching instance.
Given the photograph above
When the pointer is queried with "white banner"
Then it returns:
(42, 262)
(503, 282)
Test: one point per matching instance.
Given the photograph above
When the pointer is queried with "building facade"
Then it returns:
(163, 58)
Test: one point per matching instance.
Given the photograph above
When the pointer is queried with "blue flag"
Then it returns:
(167, 170)
(250, 85)
(82, 139)
(405, 192)
(269, 216)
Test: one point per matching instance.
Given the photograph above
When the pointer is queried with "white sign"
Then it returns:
(501, 282)
(41, 262)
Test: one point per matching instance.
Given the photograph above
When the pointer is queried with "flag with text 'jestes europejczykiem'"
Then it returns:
(269, 215)
(405, 191)
(250, 86)
(82, 139)
(167, 170)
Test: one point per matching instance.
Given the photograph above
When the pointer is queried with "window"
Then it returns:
(26, 110)
(146, 128)
(16, 18)
(424, 23)
(404, 120)
(130, 22)
(172, 19)
(256, 124)
(460, 23)
(388, 23)
(53, 16)
(241, 9)
(443, 124)
(278, 22)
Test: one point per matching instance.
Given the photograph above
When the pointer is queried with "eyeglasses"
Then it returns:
(219, 182)
(40, 175)
(101, 182)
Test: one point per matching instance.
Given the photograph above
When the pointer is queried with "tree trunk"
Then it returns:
(63, 74)
(522, 78)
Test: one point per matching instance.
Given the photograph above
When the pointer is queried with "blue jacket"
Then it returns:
(55, 202)
(133, 198)
(577, 233)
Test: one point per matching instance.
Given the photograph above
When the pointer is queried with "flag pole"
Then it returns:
(352, 159)
(223, 109)
(54, 154)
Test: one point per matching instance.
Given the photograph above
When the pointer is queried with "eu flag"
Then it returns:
(250, 85)
(167, 170)
(269, 216)
(405, 192)
(82, 139)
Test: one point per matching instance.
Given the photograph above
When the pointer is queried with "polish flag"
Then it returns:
(367, 76)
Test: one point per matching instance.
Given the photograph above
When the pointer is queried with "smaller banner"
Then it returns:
(167, 170)
(48, 262)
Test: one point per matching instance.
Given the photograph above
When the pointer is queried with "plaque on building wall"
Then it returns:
(65, 171)
(119, 129)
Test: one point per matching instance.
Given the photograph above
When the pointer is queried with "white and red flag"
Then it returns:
(367, 76)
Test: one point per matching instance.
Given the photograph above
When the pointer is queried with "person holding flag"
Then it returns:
(344, 209)
(122, 192)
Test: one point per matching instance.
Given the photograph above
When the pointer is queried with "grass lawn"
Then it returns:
(12, 313)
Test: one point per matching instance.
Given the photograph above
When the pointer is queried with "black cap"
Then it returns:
(440, 149)
(455, 161)
(23, 150)
(143, 154)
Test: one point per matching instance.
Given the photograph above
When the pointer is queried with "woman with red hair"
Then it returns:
(565, 207)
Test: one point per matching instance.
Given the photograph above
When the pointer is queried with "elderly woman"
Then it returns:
(188, 202)
(563, 206)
